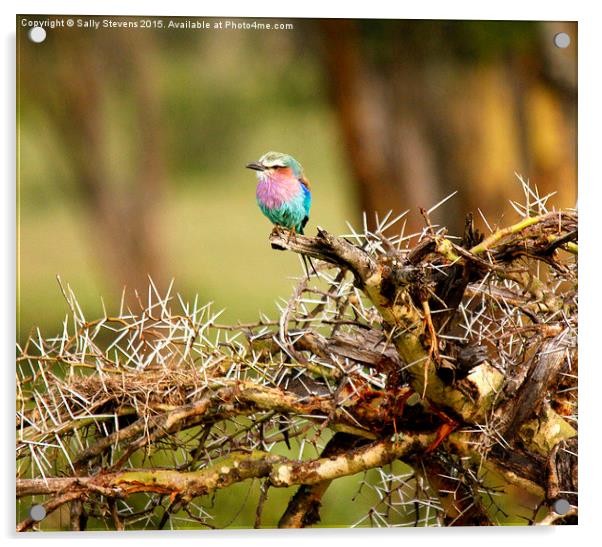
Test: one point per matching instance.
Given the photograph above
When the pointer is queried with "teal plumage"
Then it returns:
(283, 193)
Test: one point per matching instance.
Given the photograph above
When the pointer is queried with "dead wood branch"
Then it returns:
(454, 356)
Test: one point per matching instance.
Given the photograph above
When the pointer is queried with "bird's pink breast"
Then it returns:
(274, 191)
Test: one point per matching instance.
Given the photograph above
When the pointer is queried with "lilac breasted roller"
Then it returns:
(283, 193)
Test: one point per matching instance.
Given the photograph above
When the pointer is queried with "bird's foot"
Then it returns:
(292, 234)
(275, 235)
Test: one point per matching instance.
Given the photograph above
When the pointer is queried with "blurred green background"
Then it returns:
(132, 145)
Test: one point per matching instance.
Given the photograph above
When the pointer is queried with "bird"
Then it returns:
(283, 192)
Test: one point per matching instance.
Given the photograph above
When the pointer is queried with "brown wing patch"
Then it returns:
(305, 182)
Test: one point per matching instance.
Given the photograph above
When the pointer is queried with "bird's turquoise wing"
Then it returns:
(306, 206)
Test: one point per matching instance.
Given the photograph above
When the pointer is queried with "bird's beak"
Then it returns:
(255, 166)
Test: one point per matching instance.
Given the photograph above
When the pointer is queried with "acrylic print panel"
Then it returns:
(295, 273)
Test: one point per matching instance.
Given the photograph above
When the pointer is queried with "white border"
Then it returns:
(590, 160)
(427, 9)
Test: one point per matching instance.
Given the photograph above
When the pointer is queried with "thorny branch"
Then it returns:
(439, 363)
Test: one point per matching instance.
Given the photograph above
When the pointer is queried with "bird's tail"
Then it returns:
(307, 261)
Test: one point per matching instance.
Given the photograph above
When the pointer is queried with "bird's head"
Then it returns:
(277, 165)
